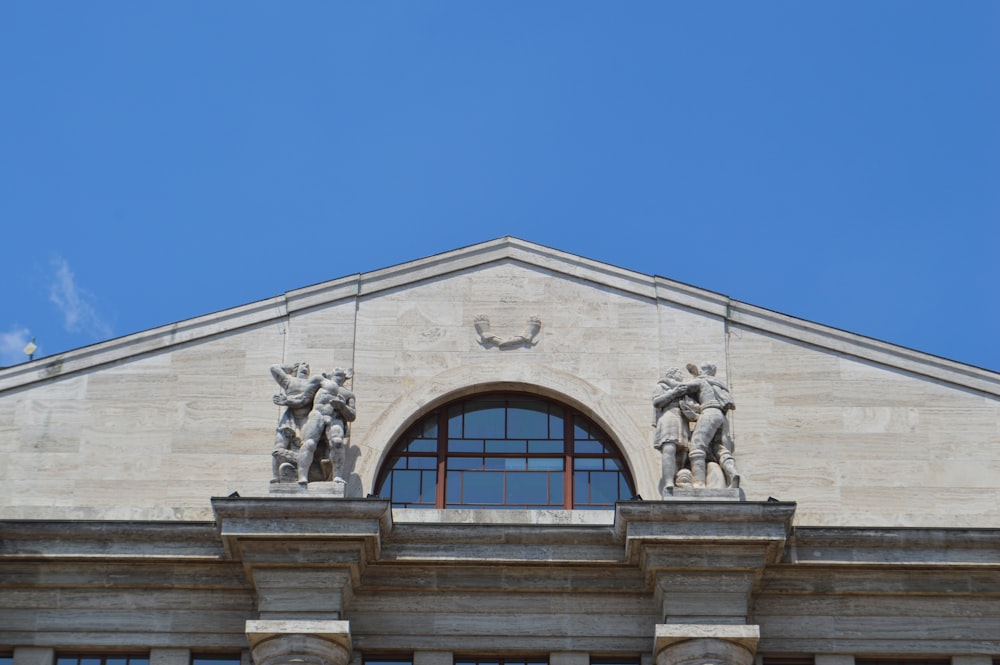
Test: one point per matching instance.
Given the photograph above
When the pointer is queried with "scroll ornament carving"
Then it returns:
(488, 338)
(691, 417)
(312, 435)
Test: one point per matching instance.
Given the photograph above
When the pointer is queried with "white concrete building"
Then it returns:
(503, 397)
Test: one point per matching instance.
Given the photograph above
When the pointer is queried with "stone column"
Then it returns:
(700, 644)
(278, 642)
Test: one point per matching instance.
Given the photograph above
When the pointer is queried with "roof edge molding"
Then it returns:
(508, 248)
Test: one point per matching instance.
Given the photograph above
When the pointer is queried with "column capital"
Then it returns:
(282, 642)
(702, 644)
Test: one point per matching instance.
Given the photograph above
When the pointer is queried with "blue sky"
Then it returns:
(836, 161)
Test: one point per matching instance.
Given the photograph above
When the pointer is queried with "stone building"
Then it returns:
(479, 483)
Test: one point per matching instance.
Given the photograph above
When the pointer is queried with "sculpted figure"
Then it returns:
(711, 431)
(298, 390)
(332, 408)
(673, 433)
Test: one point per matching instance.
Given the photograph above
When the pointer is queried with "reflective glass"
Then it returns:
(545, 464)
(428, 486)
(504, 446)
(527, 487)
(465, 446)
(549, 446)
(556, 489)
(405, 486)
(504, 450)
(453, 490)
(603, 487)
(485, 423)
(556, 425)
(422, 446)
(465, 463)
(483, 487)
(528, 419)
(588, 447)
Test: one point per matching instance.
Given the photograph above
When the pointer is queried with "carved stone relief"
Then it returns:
(488, 338)
(691, 417)
(312, 435)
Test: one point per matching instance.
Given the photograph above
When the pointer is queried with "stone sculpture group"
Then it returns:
(691, 419)
(692, 430)
(310, 440)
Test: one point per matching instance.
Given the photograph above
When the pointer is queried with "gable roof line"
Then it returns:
(507, 248)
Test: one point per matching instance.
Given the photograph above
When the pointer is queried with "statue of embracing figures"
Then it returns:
(692, 428)
(310, 440)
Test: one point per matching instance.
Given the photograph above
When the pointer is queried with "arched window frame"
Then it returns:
(581, 439)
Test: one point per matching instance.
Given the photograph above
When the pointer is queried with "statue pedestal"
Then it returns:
(335, 488)
(705, 494)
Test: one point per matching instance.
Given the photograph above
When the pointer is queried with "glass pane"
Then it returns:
(588, 447)
(603, 487)
(455, 422)
(465, 446)
(454, 489)
(487, 423)
(429, 428)
(588, 463)
(624, 490)
(556, 425)
(556, 489)
(580, 430)
(581, 488)
(400, 463)
(503, 446)
(514, 464)
(115, 661)
(612, 464)
(483, 487)
(550, 446)
(526, 487)
(428, 486)
(423, 463)
(528, 419)
(497, 463)
(463, 463)
(405, 486)
(545, 464)
(423, 446)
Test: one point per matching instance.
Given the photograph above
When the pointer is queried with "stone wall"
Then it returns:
(858, 432)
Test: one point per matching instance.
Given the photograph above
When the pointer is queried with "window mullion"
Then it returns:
(442, 458)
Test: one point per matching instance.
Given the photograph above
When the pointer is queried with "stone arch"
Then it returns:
(535, 379)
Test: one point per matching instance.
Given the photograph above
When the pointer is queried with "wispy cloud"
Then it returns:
(76, 304)
(12, 345)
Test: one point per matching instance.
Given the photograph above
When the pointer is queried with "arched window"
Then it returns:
(505, 450)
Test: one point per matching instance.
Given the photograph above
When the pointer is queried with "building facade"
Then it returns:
(482, 486)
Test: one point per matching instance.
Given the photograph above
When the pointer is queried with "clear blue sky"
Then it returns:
(836, 161)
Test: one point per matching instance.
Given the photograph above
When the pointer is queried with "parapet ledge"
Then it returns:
(272, 521)
(61, 539)
(505, 536)
(767, 525)
(894, 546)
